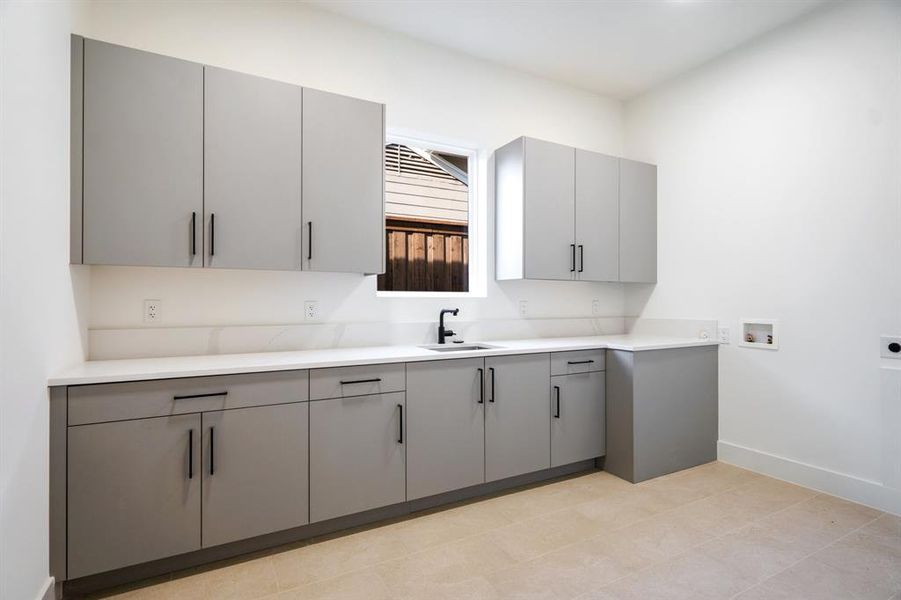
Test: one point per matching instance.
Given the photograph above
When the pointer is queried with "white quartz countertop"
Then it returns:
(110, 371)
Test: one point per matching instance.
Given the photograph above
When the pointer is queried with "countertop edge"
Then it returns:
(258, 363)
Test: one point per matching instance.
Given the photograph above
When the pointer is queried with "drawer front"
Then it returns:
(141, 399)
(578, 361)
(344, 382)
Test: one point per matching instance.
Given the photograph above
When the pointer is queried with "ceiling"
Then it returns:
(618, 48)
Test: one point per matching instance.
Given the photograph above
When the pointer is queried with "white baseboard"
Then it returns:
(862, 491)
(48, 592)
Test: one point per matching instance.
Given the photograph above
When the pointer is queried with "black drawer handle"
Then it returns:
(572, 264)
(581, 258)
(193, 233)
(210, 395)
(310, 240)
(373, 380)
(212, 234)
(579, 362)
(212, 452)
(191, 454)
(400, 433)
(557, 413)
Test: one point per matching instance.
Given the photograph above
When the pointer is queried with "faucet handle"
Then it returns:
(448, 333)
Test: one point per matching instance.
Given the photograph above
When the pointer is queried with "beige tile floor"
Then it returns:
(715, 531)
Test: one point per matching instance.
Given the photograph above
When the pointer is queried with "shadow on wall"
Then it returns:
(635, 298)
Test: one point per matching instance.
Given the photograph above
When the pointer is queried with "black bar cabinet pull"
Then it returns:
(212, 234)
(400, 433)
(210, 395)
(579, 362)
(193, 233)
(190, 454)
(481, 386)
(581, 258)
(310, 239)
(557, 390)
(212, 452)
(572, 266)
(491, 398)
(373, 380)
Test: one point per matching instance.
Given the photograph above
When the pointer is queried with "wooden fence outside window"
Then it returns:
(426, 256)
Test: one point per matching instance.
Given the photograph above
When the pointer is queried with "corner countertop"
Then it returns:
(111, 371)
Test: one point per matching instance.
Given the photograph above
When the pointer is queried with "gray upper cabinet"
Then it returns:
(254, 471)
(569, 214)
(517, 424)
(142, 158)
(638, 221)
(578, 417)
(445, 425)
(549, 190)
(252, 172)
(357, 454)
(597, 216)
(343, 183)
(133, 492)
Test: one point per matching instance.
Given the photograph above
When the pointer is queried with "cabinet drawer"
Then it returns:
(578, 361)
(343, 382)
(141, 399)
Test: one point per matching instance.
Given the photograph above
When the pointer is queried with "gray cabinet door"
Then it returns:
(133, 492)
(597, 216)
(143, 158)
(252, 170)
(446, 426)
(549, 210)
(517, 426)
(578, 415)
(254, 471)
(637, 221)
(343, 183)
(357, 454)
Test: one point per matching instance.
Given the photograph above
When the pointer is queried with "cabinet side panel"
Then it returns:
(75, 150)
(676, 423)
(58, 483)
(508, 190)
(620, 446)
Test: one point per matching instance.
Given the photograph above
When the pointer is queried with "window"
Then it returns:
(428, 213)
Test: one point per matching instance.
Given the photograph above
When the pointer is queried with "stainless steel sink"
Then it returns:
(457, 347)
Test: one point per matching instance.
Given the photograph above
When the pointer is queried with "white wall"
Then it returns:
(779, 187)
(39, 326)
(428, 90)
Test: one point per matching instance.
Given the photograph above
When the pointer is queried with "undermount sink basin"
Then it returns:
(451, 347)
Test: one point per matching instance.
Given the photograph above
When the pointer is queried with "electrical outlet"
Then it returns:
(723, 335)
(595, 307)
(152, 310)
(890, 346)
(523, 308)
(311, 310)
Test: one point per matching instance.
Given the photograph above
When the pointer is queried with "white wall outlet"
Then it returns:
(311, 310)
(723, 335)
(890, 346)
(152, 310)
(595, 307)
(523, 308)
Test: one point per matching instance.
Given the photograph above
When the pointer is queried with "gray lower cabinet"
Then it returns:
(517, 424)
(254, 471)
(343, 183)
(578, 417)
(637, 221)
(134, 492)
(142, 158)
(357, 454)
(446, 426)
(661, 411)
(252, 169)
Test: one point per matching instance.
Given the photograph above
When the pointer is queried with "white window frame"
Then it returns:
(478, 213)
